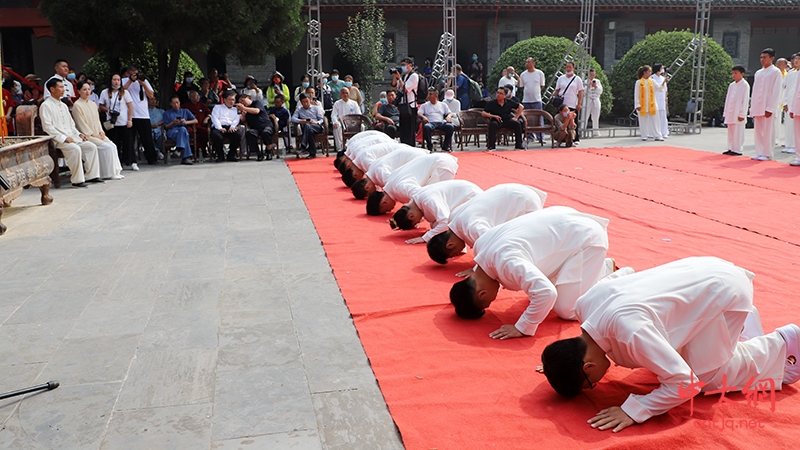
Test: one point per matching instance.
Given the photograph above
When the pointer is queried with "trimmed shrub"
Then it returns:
(548, 51)
(663, 47)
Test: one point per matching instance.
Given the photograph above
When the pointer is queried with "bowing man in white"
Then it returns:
(81, 155)
(382, 168)
(684, 322)
(354, 169)
(403, 182)
(789, 89)
(490, 208)
(644, 99)
(433, 203)
(342, 107)
(87, 121)
(356, 143)
(736, 102)
(794, 116)
(554, 255)
(660, 80)
(764, 103)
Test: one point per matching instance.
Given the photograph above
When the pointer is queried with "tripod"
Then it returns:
(50, 385)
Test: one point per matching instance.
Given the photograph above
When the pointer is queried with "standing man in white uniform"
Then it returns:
(735, 114)
(593, 92)
(382, 168)
(682, 321)
(660, 80)
(403, 182)
(789, 88)
(764, 104)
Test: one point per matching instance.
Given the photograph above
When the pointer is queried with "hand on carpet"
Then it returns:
(416, 240)
(465, 273)
(506, 332)
(613, 417)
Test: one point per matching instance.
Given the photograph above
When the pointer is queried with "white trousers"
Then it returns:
(776, 126)
(337, 137)
(788, 123)
(594, 262)
(648, 126)
(796, 143)
(108, 157)
(762, 126)
(663, 123)
(593, 113)
(78, 152)
(736, 136)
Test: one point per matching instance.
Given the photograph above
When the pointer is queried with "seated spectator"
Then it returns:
(117, 105)
(454, 105)
(87, 121)
(31, 95)
(62, 70)
(277, 87)
(282, 115)
(219, 86)
(342, 107)
(156, 120)
(387, 116)
(259, 125)
(80, 154)
(503, 113)
(305, 82)
(310, 119)
(336, 85)
(252, 90)
(176, 120)
(186, 87)
(202, 113)
(355, 92)
(564, 123)
(436, 116)
(311, 93)
(324, 94)
(208, 95)
(225, 119)
(93, 97)
(16, 86)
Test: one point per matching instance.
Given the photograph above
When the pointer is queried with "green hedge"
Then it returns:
(548, 51)
(663, 47)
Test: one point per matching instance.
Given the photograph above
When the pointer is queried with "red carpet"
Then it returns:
(449, 386)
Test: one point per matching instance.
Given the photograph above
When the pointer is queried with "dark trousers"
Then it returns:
(310, 131)
(217, 138)
(448, 128)
(265, 134)
(123, 139)
(143, 128)
(513, 124)
(408, 128)
(390, 130)
(577, 126)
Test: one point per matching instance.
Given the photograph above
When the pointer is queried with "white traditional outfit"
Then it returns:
(554, 255)
(777, 127)
(789, 89)
(364, 139)
(794, 110)
(644, 98)
(736, 102)
(660, 84)
(682, 321)
(87, 121)
(383, 167)
(81, 155)
(765, 98)
(364, 158)
(341, 108)
(593, 93)
(428, 169)
(438, 200)
(495, 206)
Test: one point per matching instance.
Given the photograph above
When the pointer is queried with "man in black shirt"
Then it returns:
(503, 113)
(259, 124)
(387, 118)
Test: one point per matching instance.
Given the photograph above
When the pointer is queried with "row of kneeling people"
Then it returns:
(692, 321)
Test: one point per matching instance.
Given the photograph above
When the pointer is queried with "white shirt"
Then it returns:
(422, 171)
(495, 206)
(255, 94)
(361, 140)
(68, 87)
(140, 108)
(222, 115)
(434, 113)
(340, 108)
(789, 87)
(115, 105)
(383, 167)
(766, 91)
(437, 200)
(660, 87)
(410, 86)
(57, 121)
(508, 80)
(536, 252)
(570, 94)
(736, 102)
(533, 82)
(669, 320)
(794, 102)
(365, 157)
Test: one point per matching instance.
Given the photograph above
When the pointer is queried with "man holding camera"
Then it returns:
(140, 90)
(407, 83)
(594, 90)
(225, 120)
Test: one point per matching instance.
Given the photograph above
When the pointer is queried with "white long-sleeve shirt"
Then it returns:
(69, 89)
(57, 121)
(382, 168)
(670, 320)
(736, 102)
(354, 146)
(222, 115)
(422, 171)
(365, 157)
(437, 200)
(789, 86)
(342, 108)
(766, 91)
(593, 92)
(495, 206)
(661, 91)
(536, 252)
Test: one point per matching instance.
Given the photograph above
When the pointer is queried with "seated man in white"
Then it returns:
(468, 222)
(342, 107)
(434, 204)
(87, 121)
(554, 255)
(81, 155)
(361, 162)
(691, 322)
(382, 168)
(403, 182)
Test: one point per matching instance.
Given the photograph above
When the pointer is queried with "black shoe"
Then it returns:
(232, 159)
(269, 156)
(80, 185)
(260, 158)
(219, 160)
(731, 153)
(311, 156)
(95, 180)
(186, 162)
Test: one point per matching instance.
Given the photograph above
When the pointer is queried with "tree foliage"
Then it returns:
(121, 28)
(362, 45)
(663, 47)
(548, 52)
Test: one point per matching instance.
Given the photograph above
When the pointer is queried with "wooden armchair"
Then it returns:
(470, 121)
(353, 124)
(169, 145)
(539, 121)
(321, 139)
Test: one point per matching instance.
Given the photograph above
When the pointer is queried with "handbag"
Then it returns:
(558, 100)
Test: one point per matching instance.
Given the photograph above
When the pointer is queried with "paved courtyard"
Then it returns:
(190, 308)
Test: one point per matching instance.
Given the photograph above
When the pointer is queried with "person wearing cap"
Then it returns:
(336, 85)
(387, 116)
(454, 105)
(436, 116)
(186, 87)
(277, 87)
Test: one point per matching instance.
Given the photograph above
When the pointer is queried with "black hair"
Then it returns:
(740, 69)
(228, 93)
(302, 96)
(132, 68)
(464, 298)
(90, 79)
(240, 97)
(174, 96)
(51, 83)
(347, 177)
(402, 220)
(202, 79)
(188, 73)
(657, 68)
(278, 96)
(338, 159)
(641, 71)
(80, 84)
(374, 203)
(562, 363)
(769, 51)
(359, 189)
(437, 247)
(342, 167)
(59, 61)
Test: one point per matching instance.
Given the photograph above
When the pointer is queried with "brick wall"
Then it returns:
(731, 31)
(624, 28)
(261, 73)
(504, 34)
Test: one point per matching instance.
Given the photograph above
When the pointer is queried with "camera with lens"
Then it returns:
(140, 77)
(395, 70)
(113, 116)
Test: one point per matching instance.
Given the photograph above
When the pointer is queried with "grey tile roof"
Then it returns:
(604, 4)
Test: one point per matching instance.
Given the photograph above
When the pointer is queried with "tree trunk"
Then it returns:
(164, 81)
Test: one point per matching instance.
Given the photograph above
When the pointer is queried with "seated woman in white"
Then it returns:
(87, 121)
